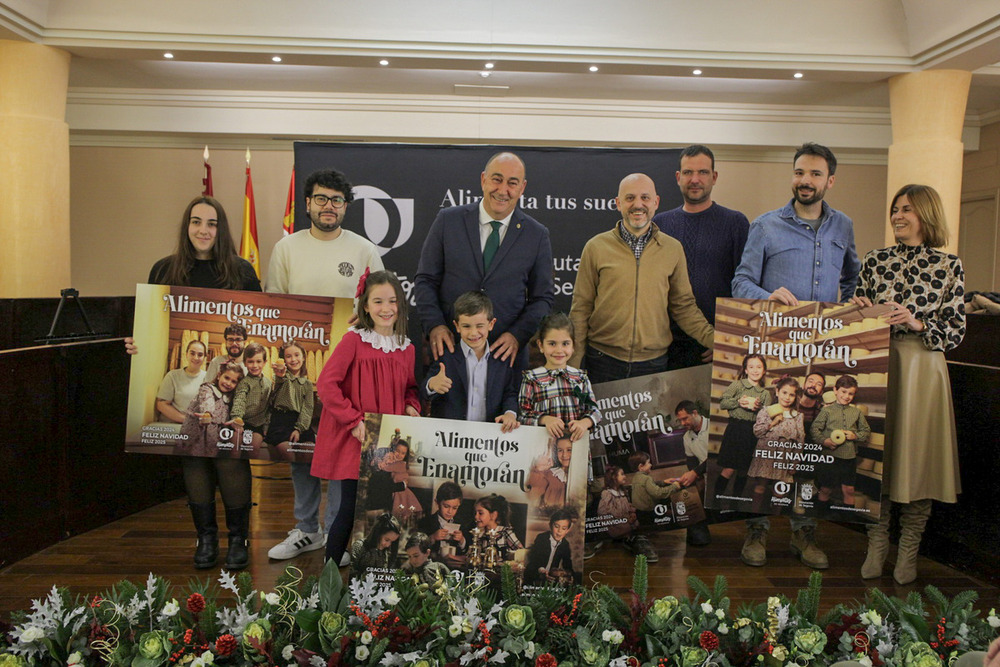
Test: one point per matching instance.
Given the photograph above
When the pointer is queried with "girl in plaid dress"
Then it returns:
(558, 396)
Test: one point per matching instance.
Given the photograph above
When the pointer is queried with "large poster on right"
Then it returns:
(798, 409)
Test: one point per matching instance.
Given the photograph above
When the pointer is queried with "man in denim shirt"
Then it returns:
(804, 250)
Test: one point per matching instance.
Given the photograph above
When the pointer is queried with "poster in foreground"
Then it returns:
(437, 496)
(653, 432)
(223, 373)
(798, 409)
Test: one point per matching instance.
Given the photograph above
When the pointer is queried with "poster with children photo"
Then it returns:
(648, 454)
(437, 496)
(232, 374)
(798, 409)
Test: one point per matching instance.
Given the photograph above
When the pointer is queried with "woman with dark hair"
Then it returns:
(206, 257)
(925, 288)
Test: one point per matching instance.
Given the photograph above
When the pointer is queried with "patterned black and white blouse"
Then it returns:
(930, 283)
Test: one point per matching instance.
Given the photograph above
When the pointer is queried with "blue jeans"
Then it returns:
(308, 493)
(605, 368)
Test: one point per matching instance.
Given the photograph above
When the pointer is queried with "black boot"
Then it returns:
(207, 552)
(238, 523)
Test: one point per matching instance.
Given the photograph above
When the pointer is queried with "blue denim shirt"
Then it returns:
(783, 251)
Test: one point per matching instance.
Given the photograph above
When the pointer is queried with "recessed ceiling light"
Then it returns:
(798, 75)
(484, 73)
(593, 68)
(276, 59)
(696, 72)
(488, 65)
(383, 62)
(168, 55)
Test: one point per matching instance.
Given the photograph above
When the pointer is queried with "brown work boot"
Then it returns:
(754, 551)
(803, 545)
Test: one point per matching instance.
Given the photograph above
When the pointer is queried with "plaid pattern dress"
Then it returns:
(564, 393)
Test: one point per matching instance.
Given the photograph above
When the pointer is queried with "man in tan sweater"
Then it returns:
(632, 280)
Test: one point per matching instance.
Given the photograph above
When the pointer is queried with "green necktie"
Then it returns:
(492, 243)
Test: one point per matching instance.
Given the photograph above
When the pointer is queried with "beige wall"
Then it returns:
(979, 238)
(126, 203)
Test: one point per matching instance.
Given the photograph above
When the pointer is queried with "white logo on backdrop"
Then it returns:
(388, 222)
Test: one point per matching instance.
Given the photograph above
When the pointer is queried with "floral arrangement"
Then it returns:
(458, 622)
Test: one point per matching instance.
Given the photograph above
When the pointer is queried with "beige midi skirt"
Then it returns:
(921, 453)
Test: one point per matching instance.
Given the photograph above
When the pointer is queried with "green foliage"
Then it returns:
(808, 598)
(700, 588)
(508, 585)
(331, 588)
(640, 578)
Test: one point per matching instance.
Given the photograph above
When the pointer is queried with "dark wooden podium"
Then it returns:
(63, 469)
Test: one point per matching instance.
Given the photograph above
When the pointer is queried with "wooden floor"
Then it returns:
(161, 540)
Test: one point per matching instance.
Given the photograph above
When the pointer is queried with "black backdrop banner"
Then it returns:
(400, 188)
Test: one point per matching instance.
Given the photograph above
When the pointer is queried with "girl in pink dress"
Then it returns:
(405, 504)
(370, 370)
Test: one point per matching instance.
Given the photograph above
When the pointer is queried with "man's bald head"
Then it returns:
(637, 202)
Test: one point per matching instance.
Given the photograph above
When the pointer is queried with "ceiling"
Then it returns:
(645, 52)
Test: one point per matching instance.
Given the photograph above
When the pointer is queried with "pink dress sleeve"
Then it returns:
(412, 393)
(329, 383)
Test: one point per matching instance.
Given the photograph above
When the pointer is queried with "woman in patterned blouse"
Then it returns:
(925, 288)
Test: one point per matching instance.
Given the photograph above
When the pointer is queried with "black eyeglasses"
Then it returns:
(322, 200)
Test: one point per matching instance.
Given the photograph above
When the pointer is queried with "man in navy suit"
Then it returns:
(469, 383)
(496, 249)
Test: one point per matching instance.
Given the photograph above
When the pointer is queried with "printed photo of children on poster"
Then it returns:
(648, 465)
(437, 496)
(798, 409)
(228, 374)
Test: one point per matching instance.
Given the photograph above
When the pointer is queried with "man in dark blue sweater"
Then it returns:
(713, 237)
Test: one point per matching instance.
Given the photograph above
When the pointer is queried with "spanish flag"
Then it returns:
(249, 249)
(288, 223)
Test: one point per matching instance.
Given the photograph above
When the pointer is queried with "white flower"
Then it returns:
(315, 661)
(871, 617)
(455, 630)
(366, 638)
(32, 634)
(75, 659)
(719, 614)
(613, 637)
(723, 629)
(171, 608)
(205, 659)
(707, 607)
(529, 650)
(993, 620)
(362, 652)
(286, 653)
(392, 598)
(272, 598)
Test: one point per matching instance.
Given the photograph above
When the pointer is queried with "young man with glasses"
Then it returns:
(324, 260)
(236, 340)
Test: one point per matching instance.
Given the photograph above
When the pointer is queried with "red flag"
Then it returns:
(288, 224)
(249, 250)
(207, 181)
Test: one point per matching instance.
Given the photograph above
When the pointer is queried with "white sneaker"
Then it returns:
(296, 543)
(345, 560)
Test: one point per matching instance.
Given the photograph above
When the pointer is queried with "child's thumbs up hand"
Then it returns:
(440, 383)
